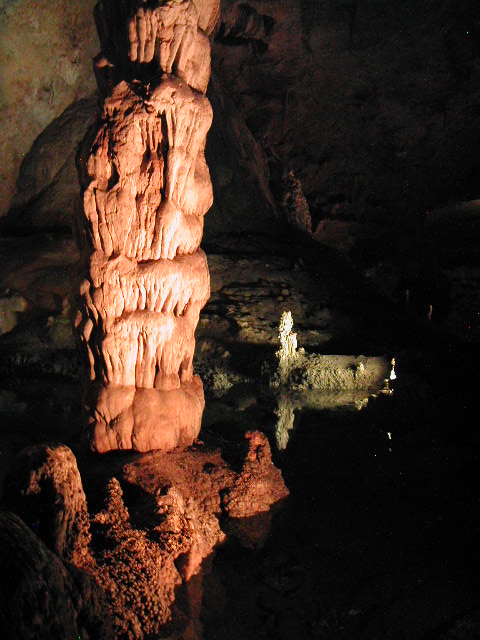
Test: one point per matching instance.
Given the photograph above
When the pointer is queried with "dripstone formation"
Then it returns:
(145, 188)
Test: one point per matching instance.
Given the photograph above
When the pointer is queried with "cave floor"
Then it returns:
(379, 537)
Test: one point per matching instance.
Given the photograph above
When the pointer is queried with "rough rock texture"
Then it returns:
(259, 483)
(43, 486)
(145, 189)
(147, 198)
(47, 185)
(40, 597)
(385, 128)
(171, 36)
(45, 47)
(141, 567)
(159, 521)
(238, 328)
(138, 577)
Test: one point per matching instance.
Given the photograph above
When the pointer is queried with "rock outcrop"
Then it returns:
(154, 520)
(162, 517)
(145, 189)
(42, 598)
(43, 487)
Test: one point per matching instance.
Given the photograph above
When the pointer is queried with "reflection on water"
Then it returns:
(285, 413)
(354, 551)
(289, 402)
(356, 546)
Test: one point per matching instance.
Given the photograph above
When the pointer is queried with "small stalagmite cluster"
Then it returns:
(145, 188)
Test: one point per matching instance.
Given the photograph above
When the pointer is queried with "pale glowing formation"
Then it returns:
(393, 375)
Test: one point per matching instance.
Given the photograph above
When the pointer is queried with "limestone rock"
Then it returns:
(47, 185)
(138, 578)
(127, 417)
(164, 34)
(160, 521)
(43, 486)
(259, 484)
(208, 14)
(145, 187)
(40, 597)
(45, 48)
(148, 200)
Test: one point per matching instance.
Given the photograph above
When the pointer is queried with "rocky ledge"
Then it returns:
(114, 569)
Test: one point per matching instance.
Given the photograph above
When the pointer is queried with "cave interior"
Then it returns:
(343, 323)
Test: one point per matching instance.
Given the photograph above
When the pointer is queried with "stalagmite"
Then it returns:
(145, 187)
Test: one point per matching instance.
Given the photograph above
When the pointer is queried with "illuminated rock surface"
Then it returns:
(379, 536)
(145, 189)
(154, 520)
(364, 526)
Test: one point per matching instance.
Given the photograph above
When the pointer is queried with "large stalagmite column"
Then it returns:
(145, 188)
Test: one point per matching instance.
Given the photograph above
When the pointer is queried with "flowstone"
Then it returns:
(145, 187)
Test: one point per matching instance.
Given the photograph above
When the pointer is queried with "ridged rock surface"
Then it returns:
(145, 187)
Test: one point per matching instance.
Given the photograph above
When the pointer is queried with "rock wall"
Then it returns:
(46, 48)
(373, 105)
(385, 128)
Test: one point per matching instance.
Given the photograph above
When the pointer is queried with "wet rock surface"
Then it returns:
(364, 119)
(373, 108)
(383, 132)
(377, 496)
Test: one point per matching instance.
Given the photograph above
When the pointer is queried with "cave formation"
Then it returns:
(342, 154)
(145, 189)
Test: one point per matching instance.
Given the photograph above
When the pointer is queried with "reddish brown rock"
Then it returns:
(147, 199)
(137, 576)
(43, 486)
(171, 35)
(161, 521)
(259, 484)
(145, 189)
(127, 417)
(42, 598)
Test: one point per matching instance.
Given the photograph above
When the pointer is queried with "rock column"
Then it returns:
(145, 188)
